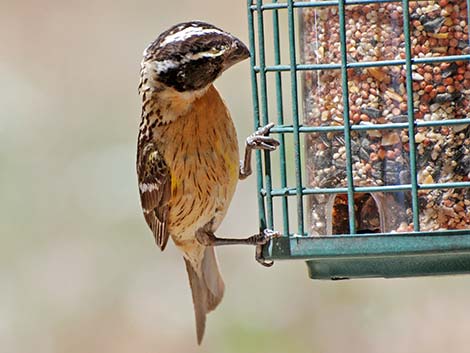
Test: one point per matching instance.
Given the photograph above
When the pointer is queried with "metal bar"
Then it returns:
(295, 117)
(306, 129)
(448, 122)
(346, 121)
(342, 190)
(367, 127)
(303, 4)
(358, 189)
(354, 237)
(452, 185)
(468, 18)
(366, 64)
(256, 114)
(280, 121)
(411, 121)
(264, 115)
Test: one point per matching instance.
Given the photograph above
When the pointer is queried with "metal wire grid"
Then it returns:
(266, 192)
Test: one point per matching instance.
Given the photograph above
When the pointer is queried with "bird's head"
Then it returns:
(191, 55)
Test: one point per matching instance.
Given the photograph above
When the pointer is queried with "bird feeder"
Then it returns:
(371, 100)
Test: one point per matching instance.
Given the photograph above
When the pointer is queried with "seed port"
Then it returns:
(369, 214)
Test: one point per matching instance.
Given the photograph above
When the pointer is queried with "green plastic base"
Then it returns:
(389, 267)
(378, 255)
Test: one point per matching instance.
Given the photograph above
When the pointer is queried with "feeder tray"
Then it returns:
(374, 165)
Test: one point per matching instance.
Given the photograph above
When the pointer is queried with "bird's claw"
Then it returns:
(261, 141)
(265, 237)
(260, 259)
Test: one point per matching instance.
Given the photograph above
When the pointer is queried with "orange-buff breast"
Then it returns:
(201, 151)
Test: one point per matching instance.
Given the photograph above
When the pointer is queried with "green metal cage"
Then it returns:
(282, 188)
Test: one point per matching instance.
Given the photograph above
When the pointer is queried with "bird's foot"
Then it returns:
(207, 238)
(264, 238)
(260, 140)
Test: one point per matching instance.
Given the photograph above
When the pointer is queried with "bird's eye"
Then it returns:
(219, 48)
(214, 50)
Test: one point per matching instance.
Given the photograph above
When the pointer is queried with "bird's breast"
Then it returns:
(201, 150)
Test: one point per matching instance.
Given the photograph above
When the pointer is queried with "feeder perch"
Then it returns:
(371, 101)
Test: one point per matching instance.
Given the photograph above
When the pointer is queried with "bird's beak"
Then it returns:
(238, 52)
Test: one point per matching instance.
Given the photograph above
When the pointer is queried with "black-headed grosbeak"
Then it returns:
(187, 156)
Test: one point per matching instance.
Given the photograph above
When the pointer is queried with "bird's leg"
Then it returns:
(207, 237)
(259, 140)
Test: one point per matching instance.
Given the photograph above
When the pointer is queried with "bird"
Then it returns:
(188, 161)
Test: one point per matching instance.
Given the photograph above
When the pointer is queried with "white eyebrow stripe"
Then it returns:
(165, 65)
(187, 33)
(205, 54)
(161, 66)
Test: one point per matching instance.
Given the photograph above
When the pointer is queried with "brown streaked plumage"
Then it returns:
(187, 153)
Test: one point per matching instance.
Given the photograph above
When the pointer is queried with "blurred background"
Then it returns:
(79, 269)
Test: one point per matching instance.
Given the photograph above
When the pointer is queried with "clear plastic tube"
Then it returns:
(377, 95)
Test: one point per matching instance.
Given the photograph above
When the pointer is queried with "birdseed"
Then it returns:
(377, 95)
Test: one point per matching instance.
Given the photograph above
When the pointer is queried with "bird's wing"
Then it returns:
(155, 191)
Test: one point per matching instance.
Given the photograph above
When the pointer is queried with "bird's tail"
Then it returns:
(207, 288)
